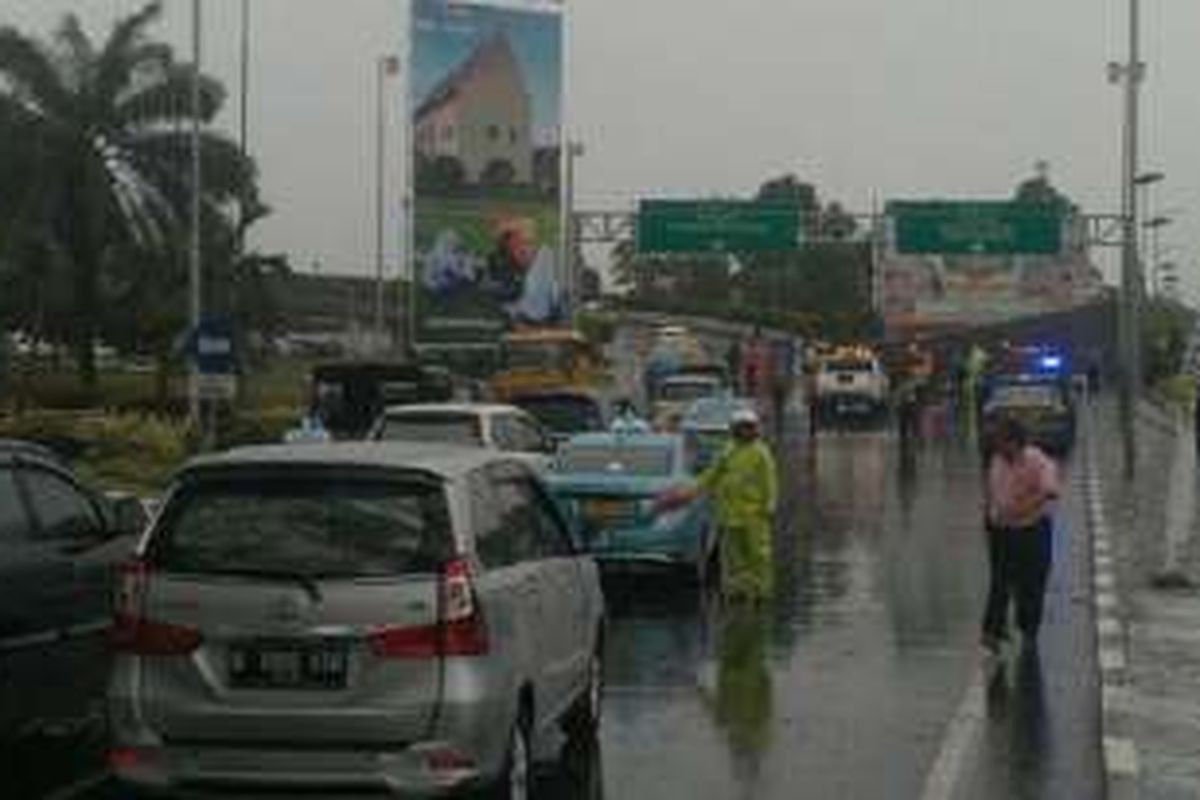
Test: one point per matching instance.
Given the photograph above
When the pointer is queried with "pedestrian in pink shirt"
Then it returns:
(1022, 483)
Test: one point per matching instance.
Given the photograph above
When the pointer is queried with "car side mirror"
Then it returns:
(127, 515)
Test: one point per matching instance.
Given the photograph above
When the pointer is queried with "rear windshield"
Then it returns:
(1026, 397)
(312, 526)
(564, 414)
(687, 391)
(618, 459)
(462, 429)
(849, 366)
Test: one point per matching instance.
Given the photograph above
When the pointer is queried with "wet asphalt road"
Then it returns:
(852, 682)
(847, 684)
(845, 687)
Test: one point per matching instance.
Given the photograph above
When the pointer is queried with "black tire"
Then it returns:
(583, 721)
(516, 780)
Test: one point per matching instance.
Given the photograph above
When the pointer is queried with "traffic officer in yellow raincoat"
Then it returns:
(744, 487)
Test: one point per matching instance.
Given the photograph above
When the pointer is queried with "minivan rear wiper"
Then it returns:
(304, 580)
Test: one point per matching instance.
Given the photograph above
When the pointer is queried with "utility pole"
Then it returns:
(384, 66)
(243, 114)
(1130, 76)
(571, 150)
(194, 264)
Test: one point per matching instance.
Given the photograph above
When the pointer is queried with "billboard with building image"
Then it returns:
(486, 89)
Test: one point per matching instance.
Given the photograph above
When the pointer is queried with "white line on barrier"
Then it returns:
(1120, 757)
(1112, 659)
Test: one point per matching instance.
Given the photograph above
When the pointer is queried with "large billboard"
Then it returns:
(486, 87)
(946, 267)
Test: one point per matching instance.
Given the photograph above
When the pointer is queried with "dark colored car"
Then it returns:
(1044, 406)
(350, 396)
(60, 545)
(564, 413)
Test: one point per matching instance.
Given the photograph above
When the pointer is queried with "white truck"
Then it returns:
(850, 384)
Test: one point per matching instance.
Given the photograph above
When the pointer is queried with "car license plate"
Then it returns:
(288, 666)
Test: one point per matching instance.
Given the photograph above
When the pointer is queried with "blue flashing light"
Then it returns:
(1051, 363)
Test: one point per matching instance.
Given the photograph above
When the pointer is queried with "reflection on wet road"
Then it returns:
(844, 686)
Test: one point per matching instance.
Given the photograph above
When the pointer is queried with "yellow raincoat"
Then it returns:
(744, 488)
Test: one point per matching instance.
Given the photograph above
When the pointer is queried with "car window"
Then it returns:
(312, 525)
(1036, 396)
(512, 538)
(618, 458)
(502, 432)
(553, 541)
(564, 414)
(61, 509)
(687, 390)
(13, 521)
(849, 366)
(462, 429)
(526, 436)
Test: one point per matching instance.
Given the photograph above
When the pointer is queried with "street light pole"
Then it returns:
(1129, 311)
(194, 264)
(384, 66)
(571, 151)
(243, 111)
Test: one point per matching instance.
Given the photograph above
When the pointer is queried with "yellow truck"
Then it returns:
(544, 359)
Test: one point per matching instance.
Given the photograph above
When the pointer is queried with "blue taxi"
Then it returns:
(607, 484)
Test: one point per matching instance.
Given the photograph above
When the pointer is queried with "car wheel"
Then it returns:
(516, 781)
(585, 717)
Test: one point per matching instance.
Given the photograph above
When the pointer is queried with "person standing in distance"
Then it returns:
(744, 487)
(1022, 484)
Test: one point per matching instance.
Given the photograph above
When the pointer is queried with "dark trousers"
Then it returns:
(1020, 564)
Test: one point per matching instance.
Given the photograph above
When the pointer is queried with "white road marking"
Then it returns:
(1108, 626)
(1112, 659)
(1120, 756)
(1115, 698)
(1106, 601)
(1104, 581)
(960, 736)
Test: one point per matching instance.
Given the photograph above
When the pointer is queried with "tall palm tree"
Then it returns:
(105, 140)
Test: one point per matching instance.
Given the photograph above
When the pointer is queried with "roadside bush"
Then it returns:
(265, 426)
(117, 451)
(1177, 393)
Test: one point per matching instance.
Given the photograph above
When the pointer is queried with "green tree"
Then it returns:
(1038, 190)
(791, 189)
(107, 132)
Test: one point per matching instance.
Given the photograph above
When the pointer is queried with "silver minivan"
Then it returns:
(375, 615)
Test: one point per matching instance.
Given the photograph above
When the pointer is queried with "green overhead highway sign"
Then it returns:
(986, 228)
(717, 226)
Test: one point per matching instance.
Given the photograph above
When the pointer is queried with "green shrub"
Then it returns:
(117, 451)
(261, 426)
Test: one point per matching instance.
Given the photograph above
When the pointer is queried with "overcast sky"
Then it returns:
(870, 99)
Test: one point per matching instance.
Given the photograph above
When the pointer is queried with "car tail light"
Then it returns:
(132, 632)
(417, 641)
(463, 631)
(459, 632)
(141, 764)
